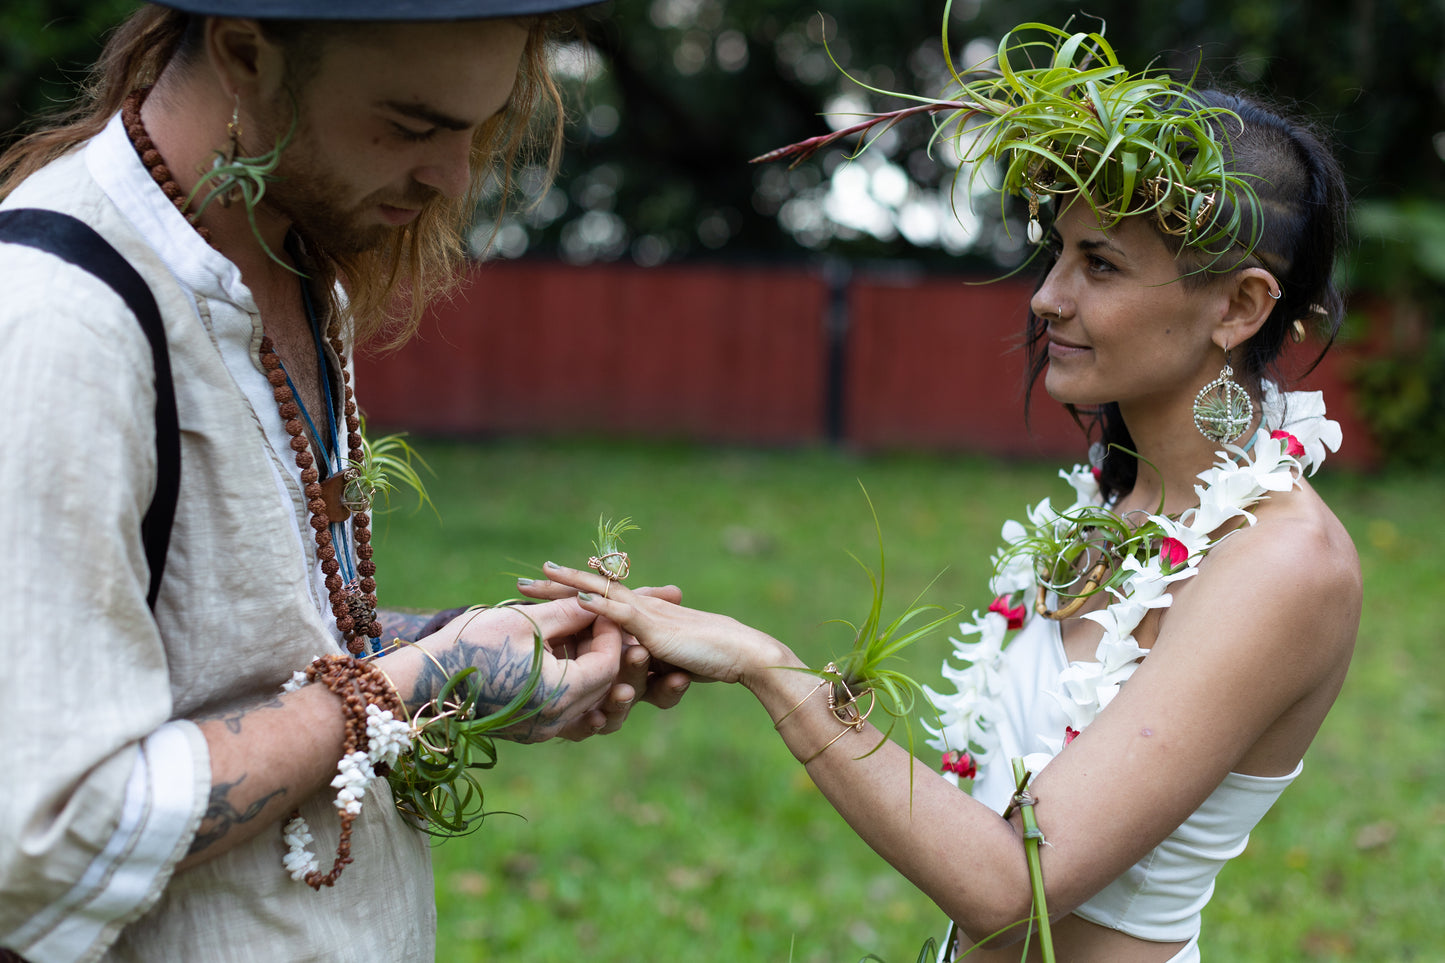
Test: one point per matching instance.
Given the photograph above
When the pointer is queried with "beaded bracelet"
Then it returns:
(376, 718)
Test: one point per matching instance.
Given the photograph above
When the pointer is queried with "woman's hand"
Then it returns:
(710, 646)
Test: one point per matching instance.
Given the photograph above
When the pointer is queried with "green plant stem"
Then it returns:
(1033, 836)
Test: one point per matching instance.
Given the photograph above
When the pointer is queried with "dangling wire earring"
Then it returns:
(232, 176)
(227, 155)
(1223, 409)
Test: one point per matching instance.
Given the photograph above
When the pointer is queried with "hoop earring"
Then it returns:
(1223, 409)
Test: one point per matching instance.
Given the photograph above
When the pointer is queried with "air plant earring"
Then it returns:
(227, 155)
(1223, 409)
(233, 177)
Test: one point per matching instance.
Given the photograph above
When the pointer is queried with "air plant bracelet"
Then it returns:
(844, 709)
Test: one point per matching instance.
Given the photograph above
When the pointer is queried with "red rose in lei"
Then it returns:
(1173, 553)
(1014, 615)
(1292, 447)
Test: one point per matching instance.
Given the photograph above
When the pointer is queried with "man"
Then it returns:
(242, 166)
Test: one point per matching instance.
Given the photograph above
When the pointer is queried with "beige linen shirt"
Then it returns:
(106, 780)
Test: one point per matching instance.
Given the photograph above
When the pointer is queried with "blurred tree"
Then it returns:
(673, 97)
(682, 93)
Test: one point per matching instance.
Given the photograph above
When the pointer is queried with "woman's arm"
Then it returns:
(1245, 664)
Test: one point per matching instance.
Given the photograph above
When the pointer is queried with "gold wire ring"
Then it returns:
(601, 566)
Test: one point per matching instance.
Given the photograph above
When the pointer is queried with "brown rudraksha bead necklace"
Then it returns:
(334, 499)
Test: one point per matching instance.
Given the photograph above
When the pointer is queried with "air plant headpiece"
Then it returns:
(1063, 117)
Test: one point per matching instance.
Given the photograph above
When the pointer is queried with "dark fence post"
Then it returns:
(837, 276)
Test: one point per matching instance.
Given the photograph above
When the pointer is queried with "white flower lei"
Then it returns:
(387, 737)
(1235, 484)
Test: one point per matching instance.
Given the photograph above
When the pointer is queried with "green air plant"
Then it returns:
(1080, 552)
(231, 178)
(610, 561)
(387, 463)
(1062, 117)
(435, 784)
(865, 672)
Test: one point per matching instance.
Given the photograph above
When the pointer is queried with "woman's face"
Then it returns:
(1122, 326)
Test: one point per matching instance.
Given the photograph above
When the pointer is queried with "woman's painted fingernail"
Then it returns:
(552, 565)
(526, 581)
(585, 596)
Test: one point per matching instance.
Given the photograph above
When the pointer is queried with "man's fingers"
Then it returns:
(666, 690)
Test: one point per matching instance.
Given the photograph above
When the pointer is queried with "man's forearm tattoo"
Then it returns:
(502, 672)
(221, 815)
(232, 718)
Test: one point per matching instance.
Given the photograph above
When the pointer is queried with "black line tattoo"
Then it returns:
(503, 669)
(221, 815)
(232, 718)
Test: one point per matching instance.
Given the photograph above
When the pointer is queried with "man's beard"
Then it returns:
(309, 194)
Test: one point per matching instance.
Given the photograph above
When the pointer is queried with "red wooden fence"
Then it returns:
(746, 355)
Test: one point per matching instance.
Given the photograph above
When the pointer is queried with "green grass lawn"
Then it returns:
(693, 835)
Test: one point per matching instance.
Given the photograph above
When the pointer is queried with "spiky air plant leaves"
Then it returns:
(231, 178)
(611, 562)
(865, 678)
(436, 783)
(1079, 553)
(1062, 117)
(386, 464)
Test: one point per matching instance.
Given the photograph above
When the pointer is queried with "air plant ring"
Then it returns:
(613, 566)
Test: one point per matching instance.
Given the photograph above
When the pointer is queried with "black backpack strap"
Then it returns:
(72, 240)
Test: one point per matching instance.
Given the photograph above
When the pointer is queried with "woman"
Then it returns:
(1162, 714)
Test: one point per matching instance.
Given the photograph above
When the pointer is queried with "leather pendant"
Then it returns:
(332, 489)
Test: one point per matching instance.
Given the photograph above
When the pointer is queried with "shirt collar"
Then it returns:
(113, 162)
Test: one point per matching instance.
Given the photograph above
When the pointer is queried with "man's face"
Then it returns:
(386, 124)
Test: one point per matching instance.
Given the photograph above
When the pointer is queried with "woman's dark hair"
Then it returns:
(1302, 210)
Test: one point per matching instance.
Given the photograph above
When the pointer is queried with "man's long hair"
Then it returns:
(388, 287)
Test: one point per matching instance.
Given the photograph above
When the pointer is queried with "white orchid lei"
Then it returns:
(1160, 551)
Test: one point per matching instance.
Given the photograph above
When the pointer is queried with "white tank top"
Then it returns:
(1160, 897)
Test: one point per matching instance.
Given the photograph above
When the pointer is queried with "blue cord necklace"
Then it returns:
(344, 550)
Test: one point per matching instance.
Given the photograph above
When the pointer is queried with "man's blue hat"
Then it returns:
(410, 10)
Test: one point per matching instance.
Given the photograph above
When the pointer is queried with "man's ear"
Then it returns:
(1251, 295)
(246, 63)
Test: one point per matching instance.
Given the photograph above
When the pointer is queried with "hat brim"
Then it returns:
(399, 10)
